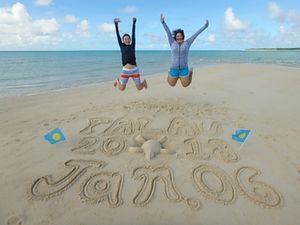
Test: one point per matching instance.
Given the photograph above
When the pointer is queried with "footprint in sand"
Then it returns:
(14, 221)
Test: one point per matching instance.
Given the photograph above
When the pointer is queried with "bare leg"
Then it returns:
(116, 82)
(172, 81)
(186, 81)
(191, 74)
(142, 85)
(121, 86)
(145, 84)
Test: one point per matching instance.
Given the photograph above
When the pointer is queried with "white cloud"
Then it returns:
(150, 40)
(288, 26)
(83, 28)
(287, 37)
(275, 11)
(277, 14)
(294, 18)
(281, 29)
(255, 37)
(18, 29)
(212, 38)
(70, 19)
(165, 46)
(152, 37)
(130, 9)
(43, 2)
(83, 25)
(15, 14)
(232, 23)
(44, 27)
(106, 28)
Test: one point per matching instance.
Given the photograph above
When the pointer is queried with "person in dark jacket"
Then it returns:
(130, 69)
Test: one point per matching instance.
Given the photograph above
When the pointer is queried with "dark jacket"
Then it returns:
(127, 51)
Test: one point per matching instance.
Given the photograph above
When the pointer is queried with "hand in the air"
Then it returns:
(162, 18)
(206, 23)
(117, 20)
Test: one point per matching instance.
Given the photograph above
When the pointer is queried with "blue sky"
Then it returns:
(87, 25)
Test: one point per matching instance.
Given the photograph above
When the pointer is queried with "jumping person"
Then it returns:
(130, 69)
(179, 54)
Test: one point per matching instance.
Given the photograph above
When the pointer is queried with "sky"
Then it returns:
(88, 25)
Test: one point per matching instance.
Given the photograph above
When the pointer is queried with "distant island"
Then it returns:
(273, 49)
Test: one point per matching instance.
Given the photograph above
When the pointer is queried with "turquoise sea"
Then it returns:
(31, 72)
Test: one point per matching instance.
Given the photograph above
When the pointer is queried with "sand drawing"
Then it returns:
(193, 203)
(152, 133)
(151, 147)
(150, 176)
(256, 191)
(109, 145)
(141, 124)
(120, 126)
(156, 105)
(94, 122)
(222, 151)
(180, 126)
(14, 221)
(177, 126)
(113, 145)
(47, 187)
(220, 189)
(216, 148)
(87, 145)
(126, 126)
(195, 149)
(214, 129)
(149, 139)
(103, 186)
(209, 180)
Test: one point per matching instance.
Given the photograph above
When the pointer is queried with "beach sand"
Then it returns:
(200, 177)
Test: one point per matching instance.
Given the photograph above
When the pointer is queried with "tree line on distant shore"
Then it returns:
(273, 49)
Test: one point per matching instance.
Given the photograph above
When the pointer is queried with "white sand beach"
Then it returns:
(199, 176)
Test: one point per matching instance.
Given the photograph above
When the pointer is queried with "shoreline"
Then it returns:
(146, 76)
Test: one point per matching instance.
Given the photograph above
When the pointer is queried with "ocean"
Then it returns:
(32, 72)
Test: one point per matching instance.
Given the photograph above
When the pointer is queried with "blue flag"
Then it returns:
(241, 135)
(55, 136)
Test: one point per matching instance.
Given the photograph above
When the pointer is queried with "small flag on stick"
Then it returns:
(241, 136)
(55, 136)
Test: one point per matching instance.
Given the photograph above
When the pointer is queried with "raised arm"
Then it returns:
(192, 38)
(116, 21)
(133, 32)
(169, 34)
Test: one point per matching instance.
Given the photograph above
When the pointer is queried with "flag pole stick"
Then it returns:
(245, 141)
